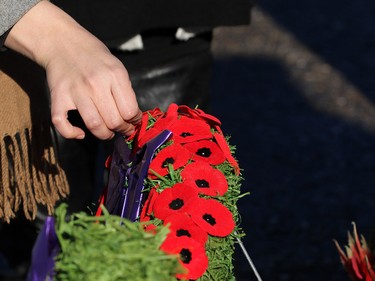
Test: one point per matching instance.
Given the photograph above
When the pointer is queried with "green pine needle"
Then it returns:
(109, 248)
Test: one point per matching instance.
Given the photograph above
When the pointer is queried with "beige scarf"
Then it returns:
(30, 173)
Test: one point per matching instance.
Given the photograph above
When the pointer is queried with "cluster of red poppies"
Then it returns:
(189, 206)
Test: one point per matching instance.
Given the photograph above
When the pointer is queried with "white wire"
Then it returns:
(249, 259)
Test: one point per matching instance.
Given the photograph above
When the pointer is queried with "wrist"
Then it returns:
(41, 32)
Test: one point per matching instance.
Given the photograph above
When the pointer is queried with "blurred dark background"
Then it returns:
(295, 92)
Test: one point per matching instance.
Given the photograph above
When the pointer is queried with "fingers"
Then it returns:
(117, 107)
(94, 119)
(137, 118)
(124, 96)
(125, 99)
(103, 114)
(59, 117)
(102, 117)
(96, 84)
(66, 129)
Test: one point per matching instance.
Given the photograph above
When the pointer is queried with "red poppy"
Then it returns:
(141, 129)
(189, 130)
(167, 119)
(181, 224)
(147, 136)
(172, 111)
(212, 216)
(199, 114)
(156, 113)
(149, 203)
(207, 151)
(219, 137)
(163, 123)
(176, 199)
(192, 256)
(173, 154)
(184, 129)
(206, 179)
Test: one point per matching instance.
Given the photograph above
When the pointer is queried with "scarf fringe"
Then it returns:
(30, 174)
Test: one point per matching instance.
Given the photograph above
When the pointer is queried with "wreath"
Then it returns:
(175, 180)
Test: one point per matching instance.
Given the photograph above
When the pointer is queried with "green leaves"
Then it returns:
(110, 248)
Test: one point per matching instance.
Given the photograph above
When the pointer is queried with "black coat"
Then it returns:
(112, 20)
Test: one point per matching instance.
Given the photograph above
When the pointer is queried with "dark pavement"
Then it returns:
(295, 91)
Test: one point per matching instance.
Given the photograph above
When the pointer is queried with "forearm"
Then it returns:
(44, 32)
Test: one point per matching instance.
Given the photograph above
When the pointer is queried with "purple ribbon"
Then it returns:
(118, 173)
(44, 252)
(127, 174)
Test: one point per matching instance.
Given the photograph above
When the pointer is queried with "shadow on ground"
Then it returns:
(310, 174)
(342, 32)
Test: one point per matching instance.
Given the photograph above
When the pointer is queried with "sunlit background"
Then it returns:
(295, 90)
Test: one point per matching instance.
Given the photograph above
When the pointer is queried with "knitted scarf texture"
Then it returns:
(30, 173)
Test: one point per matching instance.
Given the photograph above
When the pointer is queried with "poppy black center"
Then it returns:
(204, 152)
(176, 204)
(210, 219)
(202, 183)
(185, 255)
(169, 160)
(183, 232)
(185, 134)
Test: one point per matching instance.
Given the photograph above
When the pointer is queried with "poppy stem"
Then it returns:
(160, 177)
(249, 259)
(171, 171)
